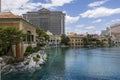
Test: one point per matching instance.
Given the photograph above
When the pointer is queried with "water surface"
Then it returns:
(75, 64)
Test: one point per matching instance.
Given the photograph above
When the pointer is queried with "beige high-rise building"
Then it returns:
(54, 21)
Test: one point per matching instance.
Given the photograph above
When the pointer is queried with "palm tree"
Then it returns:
(42, 37)
(9, 36)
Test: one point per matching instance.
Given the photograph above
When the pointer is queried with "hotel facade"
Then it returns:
(54, 21)
(76, 40)
(7, 19)
(114, 32)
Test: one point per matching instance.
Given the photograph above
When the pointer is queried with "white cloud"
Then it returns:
(97, 3)
(19, 7)
(47, 1)
(113, 22)
(90, 27)
(55, 3)
(75, 30)
(82, 29)
(100, 12)
(70, 19)
(98, 32)
(80, 26)
(97, 21)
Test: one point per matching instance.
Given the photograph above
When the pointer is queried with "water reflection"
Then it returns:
(93, 64)
(76, 64)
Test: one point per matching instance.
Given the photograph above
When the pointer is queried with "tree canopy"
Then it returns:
(42, 37)
(65, 40)
(9, 36)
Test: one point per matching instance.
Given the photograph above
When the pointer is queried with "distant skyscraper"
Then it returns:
(54, 21)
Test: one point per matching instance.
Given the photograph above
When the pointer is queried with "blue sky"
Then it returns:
(81, 15)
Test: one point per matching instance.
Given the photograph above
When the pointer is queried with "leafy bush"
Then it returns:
(38, 56)
(26, 63)
(29, 51)
(13, 61)
(36, 49)
(65, 40)
(10, 61)
(35, 59)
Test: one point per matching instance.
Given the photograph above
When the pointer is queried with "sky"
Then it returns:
(82, 16)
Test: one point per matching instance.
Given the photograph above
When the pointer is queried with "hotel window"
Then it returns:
(32, 38)
(28, 35)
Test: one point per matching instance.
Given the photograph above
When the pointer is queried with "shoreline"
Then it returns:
(30, 63)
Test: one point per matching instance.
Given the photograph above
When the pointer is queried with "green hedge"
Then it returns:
(28, 51)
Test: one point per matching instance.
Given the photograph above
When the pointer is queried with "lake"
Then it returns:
(75, 64)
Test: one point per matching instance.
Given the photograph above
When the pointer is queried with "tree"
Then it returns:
(9, 36)
(42, 37)
(87, 40)
(99, 43)
(110, 41)
(65, 40)
(90, 41)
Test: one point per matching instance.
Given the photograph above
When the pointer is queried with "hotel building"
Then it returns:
(76, 40)
(54, 21)
(114, 32)
(7, 19)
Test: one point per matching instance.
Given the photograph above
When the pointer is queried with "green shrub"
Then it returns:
(36, 49)
(26, 63)
(35, 59)
(29, 51)
(11, 61)
(37, 56)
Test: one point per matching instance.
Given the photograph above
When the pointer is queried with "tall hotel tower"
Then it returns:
(54, 21)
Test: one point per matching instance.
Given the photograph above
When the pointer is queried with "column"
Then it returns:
(19, 52)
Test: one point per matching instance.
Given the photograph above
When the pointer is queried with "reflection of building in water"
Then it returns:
(9, 20)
